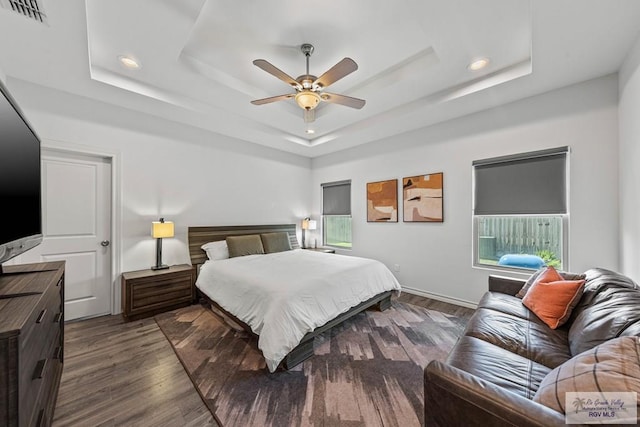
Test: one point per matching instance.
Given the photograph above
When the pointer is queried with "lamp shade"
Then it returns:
(309, 224)
(160, 230)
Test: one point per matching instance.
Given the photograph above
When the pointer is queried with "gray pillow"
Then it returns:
(250, 244)
(275, 242)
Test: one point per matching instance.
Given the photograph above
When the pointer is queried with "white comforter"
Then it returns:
(282, 296)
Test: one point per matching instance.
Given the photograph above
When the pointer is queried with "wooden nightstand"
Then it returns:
(320, 249)
(149, 292)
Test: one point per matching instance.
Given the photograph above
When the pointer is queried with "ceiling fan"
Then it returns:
(309, 89)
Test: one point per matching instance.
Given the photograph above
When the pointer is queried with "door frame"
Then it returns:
(113, 156)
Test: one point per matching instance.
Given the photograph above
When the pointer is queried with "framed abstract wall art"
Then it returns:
(422, 197)
(382, 201)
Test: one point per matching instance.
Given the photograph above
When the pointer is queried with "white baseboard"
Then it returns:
(439, 297)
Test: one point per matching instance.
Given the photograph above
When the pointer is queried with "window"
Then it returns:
(336, 214)
(520, 215)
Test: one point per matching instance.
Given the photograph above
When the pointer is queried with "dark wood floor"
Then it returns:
(456, 310)
(126, 374)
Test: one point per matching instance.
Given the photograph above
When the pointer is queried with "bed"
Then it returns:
(285, 297)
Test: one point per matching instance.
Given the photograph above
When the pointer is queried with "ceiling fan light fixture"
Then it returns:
(307, 100)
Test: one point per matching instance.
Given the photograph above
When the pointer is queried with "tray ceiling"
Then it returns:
(196, 58)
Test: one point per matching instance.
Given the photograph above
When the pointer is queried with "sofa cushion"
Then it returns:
(505, 303)
(554, 301)
(597, 280)
(613, 366)
(529, 338)
(498, 366)
(545, 272)
(609, 308)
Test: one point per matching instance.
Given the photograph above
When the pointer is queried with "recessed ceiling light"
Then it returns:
(310, 131)
(129, 62)
(479, 64)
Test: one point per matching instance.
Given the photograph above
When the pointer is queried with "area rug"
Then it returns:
(367, 371)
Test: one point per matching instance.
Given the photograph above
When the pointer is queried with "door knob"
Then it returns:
(105, 243)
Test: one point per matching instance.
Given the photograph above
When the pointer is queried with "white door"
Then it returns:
(76, 218)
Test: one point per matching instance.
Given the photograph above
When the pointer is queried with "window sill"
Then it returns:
(500, 269)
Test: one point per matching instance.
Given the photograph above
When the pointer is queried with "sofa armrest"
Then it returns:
(453, 397)
(506, 285)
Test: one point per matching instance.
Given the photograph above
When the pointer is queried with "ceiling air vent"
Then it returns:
(29, 8)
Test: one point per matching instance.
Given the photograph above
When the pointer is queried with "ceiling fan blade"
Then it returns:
(343, 100)
(272, 99)
(273, 70)
(335, 73)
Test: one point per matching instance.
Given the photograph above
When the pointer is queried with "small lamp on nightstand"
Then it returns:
(159, 230)
(307, 224)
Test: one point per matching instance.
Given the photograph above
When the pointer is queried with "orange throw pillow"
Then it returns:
(553, 301)
(548, 274)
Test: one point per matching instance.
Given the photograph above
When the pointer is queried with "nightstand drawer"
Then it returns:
(158, 292)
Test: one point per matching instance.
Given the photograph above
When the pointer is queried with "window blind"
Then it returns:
(336, 198)
(531, 183)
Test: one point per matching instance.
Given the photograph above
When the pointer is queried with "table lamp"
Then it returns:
(159, 230)
(307, 224)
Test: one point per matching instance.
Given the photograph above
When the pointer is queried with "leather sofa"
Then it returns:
(492, 374)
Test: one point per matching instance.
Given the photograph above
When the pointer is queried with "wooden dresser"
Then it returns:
(31, 342)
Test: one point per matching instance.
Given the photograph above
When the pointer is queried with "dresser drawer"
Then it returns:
(43, 323)
(31, 343)
(45, 309)
(42, 410)
(35, 384)
(37, 349)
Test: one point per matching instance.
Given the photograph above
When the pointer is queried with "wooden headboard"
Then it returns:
(198, 236)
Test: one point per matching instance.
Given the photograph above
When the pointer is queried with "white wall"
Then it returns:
(435, 259)
(186, 175)
(629, 112)
(219, 180)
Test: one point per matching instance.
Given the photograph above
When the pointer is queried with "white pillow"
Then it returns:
(216, 250)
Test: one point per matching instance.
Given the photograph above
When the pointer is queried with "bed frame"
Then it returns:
(198, 236)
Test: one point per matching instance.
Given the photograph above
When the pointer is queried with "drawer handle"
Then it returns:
(59, 283)
(41, 316)
(57, 353)
(57, 318)
(40, 367)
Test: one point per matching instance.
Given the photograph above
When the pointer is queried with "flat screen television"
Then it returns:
(20, 185)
